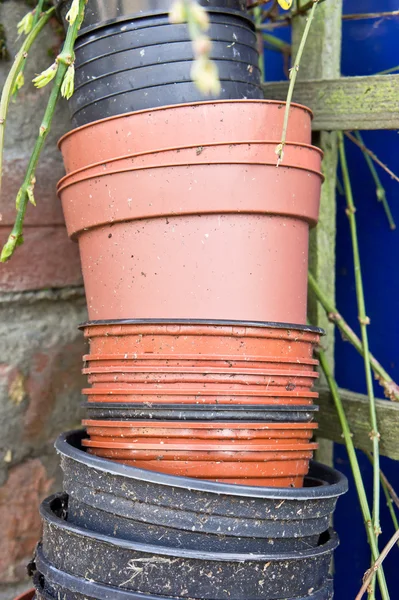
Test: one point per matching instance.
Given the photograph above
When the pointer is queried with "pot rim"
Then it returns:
(48, 515)
(177, 106)
(102, 592)
(218, 446)
(193, 392)
(196, 424)
(149, 13)
(131, 356)
(202, 407)
(63, 180)
(29, 594)
(210, 322)
(68, 444)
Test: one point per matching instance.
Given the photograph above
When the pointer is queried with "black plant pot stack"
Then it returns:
(129, 57)
(117, 532)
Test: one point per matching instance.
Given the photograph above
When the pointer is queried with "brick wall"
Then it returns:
(41, 305)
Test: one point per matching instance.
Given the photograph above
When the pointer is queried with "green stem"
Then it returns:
(364, 321)
(357, 476)
(293, 75)
(38, 12)
(380, 190)
(390, 502)
(258, 21)
(274, 43)
(16, 68)
(391, 389)
(64, 59)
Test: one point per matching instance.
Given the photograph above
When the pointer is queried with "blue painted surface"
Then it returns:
(369, 46)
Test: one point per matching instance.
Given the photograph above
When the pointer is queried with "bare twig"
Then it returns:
(376, 15)
(372, 155)
(377, 565)
(380, 190)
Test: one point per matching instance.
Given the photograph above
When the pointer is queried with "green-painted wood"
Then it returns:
(358, 414)
(346, 103)
(322, 60)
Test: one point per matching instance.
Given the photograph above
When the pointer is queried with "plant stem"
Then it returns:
(293, 75)
(388, 71)
(64, 60)
(380, 190)
(377, 15)
(364, 321)
(391, 389)
(257, 12)
(38, 12)
(377, 565)
(347, 435)
(386, 486)
(274, 43)
(16, 68)
(371, 155)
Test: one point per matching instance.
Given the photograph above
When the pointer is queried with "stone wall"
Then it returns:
(41, 305)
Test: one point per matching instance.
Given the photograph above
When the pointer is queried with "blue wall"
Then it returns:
(369, 46)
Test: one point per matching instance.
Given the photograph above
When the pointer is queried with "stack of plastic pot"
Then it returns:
(193, 478)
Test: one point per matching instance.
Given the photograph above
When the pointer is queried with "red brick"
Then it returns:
(47, 259)
(26, 487)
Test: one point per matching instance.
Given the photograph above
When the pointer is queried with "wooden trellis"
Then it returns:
(339, 104)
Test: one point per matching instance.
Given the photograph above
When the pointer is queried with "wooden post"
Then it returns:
(322, 60)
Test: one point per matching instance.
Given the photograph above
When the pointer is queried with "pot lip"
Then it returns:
(310, 362)
(116, 159)
(186, 392)
(196, 424)
(103, 592)
(202, 408)
(211, 322)
(69, 445)
(219, 446)
(155, 13)
(48, 515)
(176, 107)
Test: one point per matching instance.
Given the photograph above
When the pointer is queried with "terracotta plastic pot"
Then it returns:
(181, 125)
(204, 397)
(126, 430)
(174, 360)
(221, 339)
(246, 152)
(144, 253)
(201, 380)
(193, 412)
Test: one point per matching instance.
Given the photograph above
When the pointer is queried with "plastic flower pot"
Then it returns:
(192, 505)
(198, 430)
(53, 583)
(202, 398)
(197, 124)
(200, 378)
(99, 12)
(185, 573)
(220, 339)
(194, 412)
(174, 360)
(116, 76)
(146, 253)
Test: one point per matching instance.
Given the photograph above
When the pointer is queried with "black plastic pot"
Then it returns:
(197, 412)
(146, 62)
(194, 505)
(152, 569)
(51, 584)
(99, 13)
(127, 528)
